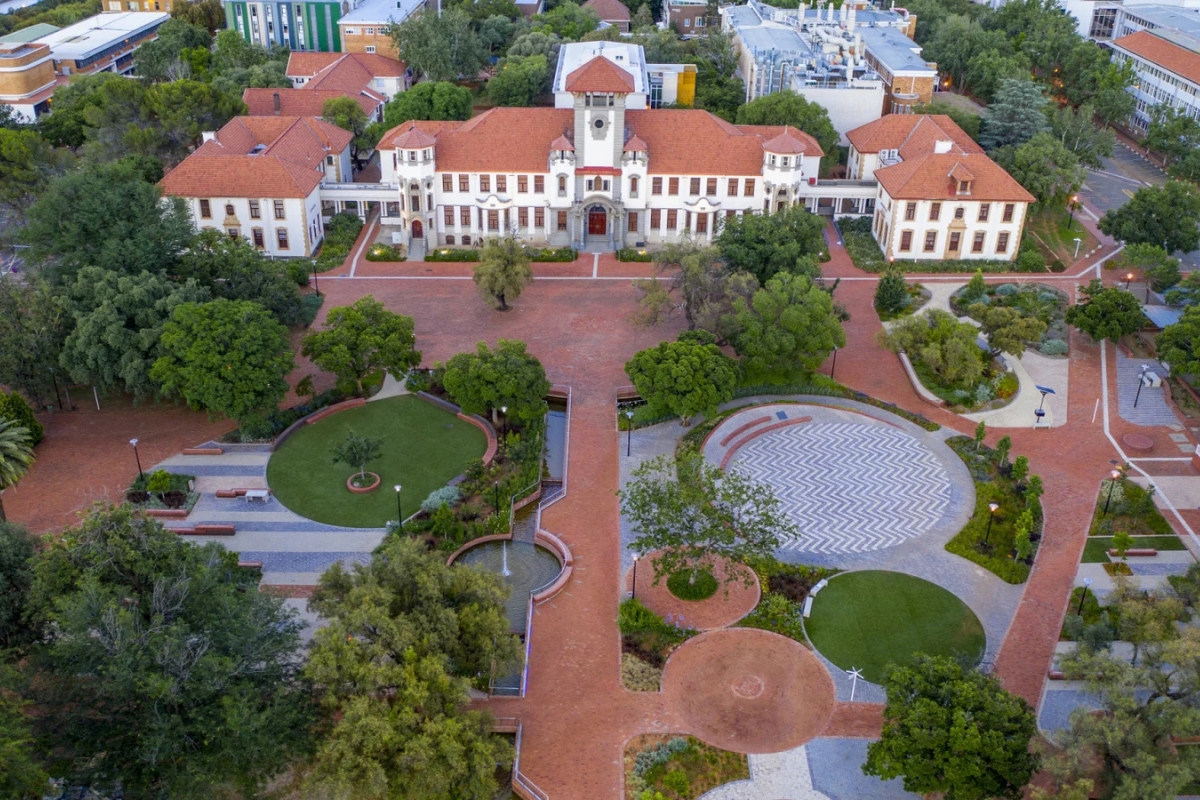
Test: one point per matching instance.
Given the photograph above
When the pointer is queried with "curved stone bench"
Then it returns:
(1141, 551)
(918, 387)
(203, 451)
(754, 434)
(166, 513)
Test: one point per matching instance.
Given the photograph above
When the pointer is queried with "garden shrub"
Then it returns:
(634, 254)
(265, 427)
(452, 254)
(159, 481)
(1058, 266)
(552, 253)
(13, 407)
(298, 271)
(1054, 347)
(445, 496)
(647, 635)
(340, 234)
(638, 676)
(658, 755)
(677, 781)
(384, 252)
(1029, 257)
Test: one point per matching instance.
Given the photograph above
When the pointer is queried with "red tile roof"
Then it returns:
(308, 64)
(609, 10)
(1168, 55)
(259, 157)
(301, 102)
(600, 75)
(914, 132)
(635, 145)
(928, 177)
(678, 141)
(787, 142)
(413, 139)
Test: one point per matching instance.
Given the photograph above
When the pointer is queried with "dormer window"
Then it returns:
(964, 187)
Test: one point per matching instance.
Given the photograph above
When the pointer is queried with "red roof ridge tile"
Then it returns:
(600, 75)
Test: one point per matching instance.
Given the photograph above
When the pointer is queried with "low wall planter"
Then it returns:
(372, 483)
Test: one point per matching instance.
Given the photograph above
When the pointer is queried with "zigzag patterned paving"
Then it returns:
(850, 488)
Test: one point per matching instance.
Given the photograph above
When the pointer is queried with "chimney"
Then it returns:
(942, 146)
(208, 136)
(275, 99)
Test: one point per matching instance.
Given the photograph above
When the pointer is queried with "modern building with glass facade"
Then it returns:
(308, 25)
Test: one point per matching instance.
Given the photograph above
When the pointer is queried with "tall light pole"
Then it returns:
(833, 366)
(628, 432)
(1116, 474)
(1087, 582)
(1141, 382)
(504, 420)
(1071, 204)
(138, 458)
(496, 496)
(992, 509)
(633, 591)
(316, 280)
(1128, 280)
(399, 513)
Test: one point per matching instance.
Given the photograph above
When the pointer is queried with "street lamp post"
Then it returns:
(1141, 382)
(1128, 280)
(136, 457)
(504, 420)
(1116, 474)
(833, 366)
(1087, 582)
(496, 496)
(1074, 201)
(992, 509)
(399, 513)
(628, 432)
(316, 280)
(633, 591)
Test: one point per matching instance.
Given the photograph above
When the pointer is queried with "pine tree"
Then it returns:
(1015, 116)
(891, 294)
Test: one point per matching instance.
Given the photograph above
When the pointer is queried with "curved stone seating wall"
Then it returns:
(918, 387)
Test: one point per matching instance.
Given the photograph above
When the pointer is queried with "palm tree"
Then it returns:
(16, 454)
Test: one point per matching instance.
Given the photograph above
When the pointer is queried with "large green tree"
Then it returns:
(503, 271)
(31, 335)
(518, 81)
(17, 550)
(428, 100)
(1106, 312)
(1074, 127)
(938, 340)
(440, 47)
(764, 244)
(162, 59)
(118, 322)
(683, 378)
(567, 20)
(788, 326)
(20, 774)
(347, 114)
(363, 339)
(697, 280)
(1045, 167)
(1007, 329)
(236, 270)
(107, 216)
(696, 514)
(1179, 344)
(226, 357)
(1175, 134)
(1015, 116)
(953, 731)
(27, 164)
(508, 376)
(164, 669)
(406, 637)
(1166, 215)
(789, 108)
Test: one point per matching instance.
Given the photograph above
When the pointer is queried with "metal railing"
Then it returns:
(519, 780)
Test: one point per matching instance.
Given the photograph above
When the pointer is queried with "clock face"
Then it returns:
(599, 124)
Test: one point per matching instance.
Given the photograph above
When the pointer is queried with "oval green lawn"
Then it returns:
(872, 619)
(423, 448)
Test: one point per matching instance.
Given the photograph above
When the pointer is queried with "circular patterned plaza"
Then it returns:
(850, 482)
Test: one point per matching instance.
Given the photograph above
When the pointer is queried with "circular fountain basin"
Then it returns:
(530, 567)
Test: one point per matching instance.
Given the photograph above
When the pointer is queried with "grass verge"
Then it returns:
(682, 585)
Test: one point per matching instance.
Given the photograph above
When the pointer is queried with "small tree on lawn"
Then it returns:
(1106, 312)
(1022, 538)
(980, 435)
(1002, 449)
(1020, 469)
(363, 339)
(503, 271)
(954, 731)
(1033, 490)
(159, 482)
(891, 294)
(695, 513)
(683, 378)
(1121, 543)
(357, 451)
(1007, 329)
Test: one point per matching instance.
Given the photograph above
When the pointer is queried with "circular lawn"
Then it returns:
(423, 448)
(873, 619)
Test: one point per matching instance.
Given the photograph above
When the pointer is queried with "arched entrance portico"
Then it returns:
(597, 222)
(418, 230)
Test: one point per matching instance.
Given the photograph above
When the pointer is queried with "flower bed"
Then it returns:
(678, 767)
(634, 254)
(384, 252)
(1046, 303)
(646, 642)
(1130, 508)
(991, 539)
(784, 588)
(340, 234)
(918, 296)
(171, 491)
(452, 254)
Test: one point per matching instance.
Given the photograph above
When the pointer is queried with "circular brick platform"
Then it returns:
(748, 690)
(731, 602)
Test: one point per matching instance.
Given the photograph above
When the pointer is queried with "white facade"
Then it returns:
(934, 230)
(285, 228)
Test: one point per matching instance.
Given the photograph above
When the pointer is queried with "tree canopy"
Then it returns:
(789, 108)
(428, 100)
(954, 731)
(1106, 312)
(226, 357)
(938, 340)
(118, 321)
(405, 638)
(1166, 215)
(695, 513)
(17, 549)
(683, 378)
(32, 328)
(764, 244)
(1015, 116)
(1007, 329)
(1045, 167)
(1179, 344)
(489, 379)
(347, 114)
(236, 270)
(363, 339)
(167, 670)
(503, 271)
(789, 325)
(440, 47)
(519, 80)
(567, 20)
